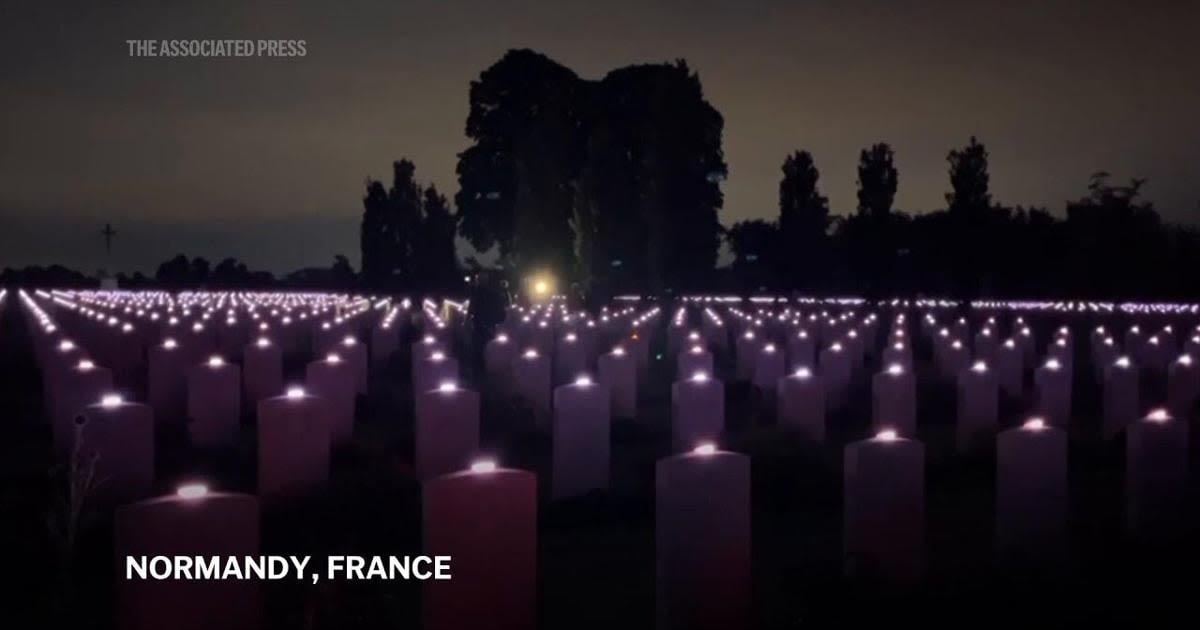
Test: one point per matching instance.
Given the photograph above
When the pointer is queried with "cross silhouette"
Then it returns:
(108, 233)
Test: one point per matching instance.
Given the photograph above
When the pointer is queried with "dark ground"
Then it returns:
(597, 552)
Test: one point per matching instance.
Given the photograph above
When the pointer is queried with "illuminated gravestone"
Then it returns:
(333, 380)
(955, 359)
(894, 400)
(1031, 493)
(384, 342)
(262, 372)
(702, 533)
(485, 518)
(214, 403)
(800, 404)
(898, 353)
(1156, 468)
(978, 407)
(498, 356)
(697, 410)
(801, 350)
(768, 369)
(355, 356)
(884, 486)
(580, 438)
(570, 359)
(835, 373)
(447, 429)
(127, 356)
(293, 443)
(1154, 356)
(422, 350)
(531, 377)
(618, 372)
(1183, 386)
(193, 522)
(434, 369)
(1052, 382)
(1192, 347)
(200, 342)
(986, 343)
(1121, 398)
(1134, 339)
(1104, 354)
(166, 382)
(541, 337)
(118, 436)
(691, 360)
(745, 354)
(1010, 369)
(65, 355)
(75, 389)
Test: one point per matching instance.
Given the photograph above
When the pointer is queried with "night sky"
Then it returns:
(264, 159)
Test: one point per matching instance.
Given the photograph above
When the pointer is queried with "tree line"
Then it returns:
(614, 185)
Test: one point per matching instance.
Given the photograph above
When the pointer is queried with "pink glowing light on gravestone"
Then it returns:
(295, 392)
(333, 358)
(66, 345)
(109, 401)
(215, 361)
(1034, 424)
(696, 350)
(1184, 359)
(707, 448)
(700, 377)
(895, 369)
(618, 351)
(437, 356)
(979, 366)
(583, 380)
(447, 386)
(887, 435)
(1053, 364)
(86, 365)
(1158, 416)
(263, 342)
(502, 338)
(192, 491)
(803, 373)
(531, 353)
(483, 466)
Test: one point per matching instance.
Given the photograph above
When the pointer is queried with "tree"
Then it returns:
(655, 163)
(756, 251)
(803, 220)
(435, 257)
(969, 180)
(870, 234)
(1118, 244)
(516, 183)
(390, 220)
(974, 228)
(877, 181)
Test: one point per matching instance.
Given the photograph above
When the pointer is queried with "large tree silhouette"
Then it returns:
(803, 221)
(516, 183)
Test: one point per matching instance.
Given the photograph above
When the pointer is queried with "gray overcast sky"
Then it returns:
(264, 159)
